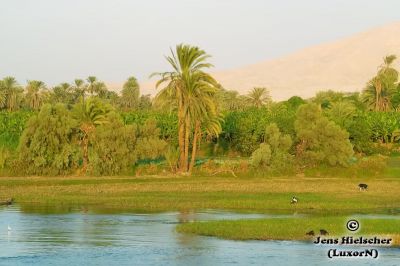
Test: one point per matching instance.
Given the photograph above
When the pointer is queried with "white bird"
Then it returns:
(294, 200)
(8, 227)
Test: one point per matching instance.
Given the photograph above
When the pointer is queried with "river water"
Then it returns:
(79, 237)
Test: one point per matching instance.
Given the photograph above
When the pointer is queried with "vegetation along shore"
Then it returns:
(196, 145)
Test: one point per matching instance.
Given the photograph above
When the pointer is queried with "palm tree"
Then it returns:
(130, 94)
(258, 97)
(12, 91)
(182, 84)
(80, 88)
(35, 93)
(91, 88)
(200, 111)
(90, 114)
(3, 95)
(380, 89)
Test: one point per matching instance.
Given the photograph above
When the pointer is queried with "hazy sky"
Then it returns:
(59, 40)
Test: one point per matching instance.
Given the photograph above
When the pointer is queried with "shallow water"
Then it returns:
(84, 238)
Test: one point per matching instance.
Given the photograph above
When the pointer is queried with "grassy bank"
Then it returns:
(292, 229)
(327, 195)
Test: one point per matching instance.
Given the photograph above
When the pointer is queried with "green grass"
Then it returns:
(317, 195)
(291, 228)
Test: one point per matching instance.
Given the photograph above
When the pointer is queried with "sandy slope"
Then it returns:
(344, 65)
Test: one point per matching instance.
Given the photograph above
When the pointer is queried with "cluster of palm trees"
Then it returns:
(13, 96)
(381, 90)
(192, 92)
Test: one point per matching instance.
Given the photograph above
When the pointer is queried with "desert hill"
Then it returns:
(343, 65)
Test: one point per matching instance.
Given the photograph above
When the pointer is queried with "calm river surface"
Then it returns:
(84, 238)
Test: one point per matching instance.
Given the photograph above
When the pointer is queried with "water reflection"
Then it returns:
(77, 236)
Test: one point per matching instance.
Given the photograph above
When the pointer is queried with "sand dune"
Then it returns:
(344, 65)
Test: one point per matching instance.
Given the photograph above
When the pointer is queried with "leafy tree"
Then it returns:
(113, 147)
(294, 102)
(262, 156)
(149, 145)
(273, 153)
(321, 140)
(47, 145)
(258, 97)
(130, 94)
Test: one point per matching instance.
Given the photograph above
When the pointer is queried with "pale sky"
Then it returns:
(60, 40)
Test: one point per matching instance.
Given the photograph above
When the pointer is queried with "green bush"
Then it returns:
(321, 140)
(112, 147)
(47, 146)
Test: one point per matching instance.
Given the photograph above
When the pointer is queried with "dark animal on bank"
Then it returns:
(311, 233)
(294, 200)
(362, 187)
(323, 232)
(6, 201)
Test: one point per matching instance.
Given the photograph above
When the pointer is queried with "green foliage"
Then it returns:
(47, 145)
(12, 125)
(112, 147)
(378, 93)
(166, 122)
(245, 130)
(171, 155)
(321, 140)
(262, 156)
(4, 156)
(149, 145)
(273, 154)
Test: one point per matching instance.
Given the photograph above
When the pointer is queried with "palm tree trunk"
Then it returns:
(194, 149)
(187, 142)
(85, 153)
(181, 137)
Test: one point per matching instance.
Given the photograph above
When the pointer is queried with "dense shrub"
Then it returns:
(246, 129)
(112, 147)
(273, 154)
(47, 145)
(321, 140)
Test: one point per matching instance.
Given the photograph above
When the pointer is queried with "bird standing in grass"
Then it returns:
(294, 200)
(311, 233)
(323, 232)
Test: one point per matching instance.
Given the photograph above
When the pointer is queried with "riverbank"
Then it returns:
(326, 202)
(157, 193)
(296, 228)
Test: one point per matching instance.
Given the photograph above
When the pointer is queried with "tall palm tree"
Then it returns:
(130, 94)
(258, 97)
(12, 90)
(188, 64)
(380, 89)
(90, 114)
(35, 93)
